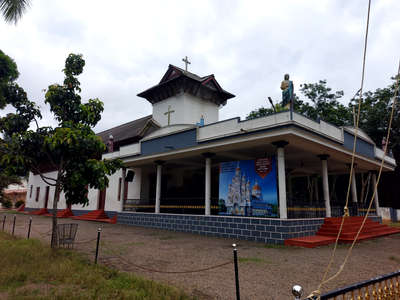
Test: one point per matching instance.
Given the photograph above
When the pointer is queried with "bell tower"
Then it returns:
(182, 97)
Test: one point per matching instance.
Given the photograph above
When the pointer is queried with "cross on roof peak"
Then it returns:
(187, 62)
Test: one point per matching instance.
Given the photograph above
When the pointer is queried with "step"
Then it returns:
(329, 230)
(344, 228)
(310, 241)
(39, 212)
(334, 220)
(366, 228)
(21, 207)
(97, 215)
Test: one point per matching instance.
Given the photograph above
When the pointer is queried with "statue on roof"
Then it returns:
(287, 91)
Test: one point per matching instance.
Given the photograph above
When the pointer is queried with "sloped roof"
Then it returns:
(176, 80)
(128, 132)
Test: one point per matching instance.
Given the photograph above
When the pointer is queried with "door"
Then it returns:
(102, 199)
(46, 197)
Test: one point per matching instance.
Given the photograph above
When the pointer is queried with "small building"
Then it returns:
(265, 179)
(16, 192)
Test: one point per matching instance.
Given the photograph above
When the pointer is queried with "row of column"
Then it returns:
(281, 182)
(207, 199)
(325, 182)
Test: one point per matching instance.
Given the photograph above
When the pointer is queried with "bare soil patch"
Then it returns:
(266, 272)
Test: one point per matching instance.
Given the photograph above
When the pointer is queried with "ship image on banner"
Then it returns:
(248, 188)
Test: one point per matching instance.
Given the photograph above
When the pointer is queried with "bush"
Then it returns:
(19, 203)
(7, 203)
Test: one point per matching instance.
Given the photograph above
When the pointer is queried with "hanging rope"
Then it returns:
(317, 293)
(346, 209)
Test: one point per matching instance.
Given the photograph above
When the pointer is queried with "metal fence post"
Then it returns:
(235, 260)
(4, 221)
(13, 229)
(29, 227)
(97, 244)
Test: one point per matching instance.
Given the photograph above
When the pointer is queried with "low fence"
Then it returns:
(66, 239)
(317, 210)
(382, 287)
(386, 287)
(193, 205)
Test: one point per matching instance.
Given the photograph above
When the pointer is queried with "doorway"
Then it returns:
(102, 199)
(46, 197)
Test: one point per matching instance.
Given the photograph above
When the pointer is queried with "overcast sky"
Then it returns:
(248, 45)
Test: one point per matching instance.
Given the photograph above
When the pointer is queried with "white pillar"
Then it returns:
(122, 192)
(325, 184)
(208, 187)
(281, 179)
(354, 187)
(376, 199)
(158, 188)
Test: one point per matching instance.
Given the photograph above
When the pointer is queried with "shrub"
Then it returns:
(19, 203)
(7, 203)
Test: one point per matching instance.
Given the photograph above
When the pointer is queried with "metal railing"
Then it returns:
(186, 205)
(382, 287)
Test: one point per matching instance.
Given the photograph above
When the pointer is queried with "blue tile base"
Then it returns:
(271, 231)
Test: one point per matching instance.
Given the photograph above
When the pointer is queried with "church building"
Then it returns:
(266, 179)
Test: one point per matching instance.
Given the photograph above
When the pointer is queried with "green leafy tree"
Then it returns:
(264, 111)
(71, 149)
(324, 104)
(375, 114)
(25, 111)
(13, 9)
(320, 103)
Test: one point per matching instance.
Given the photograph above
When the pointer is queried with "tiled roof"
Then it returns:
(127, 131)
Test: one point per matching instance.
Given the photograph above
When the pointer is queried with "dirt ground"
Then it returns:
(265, 271)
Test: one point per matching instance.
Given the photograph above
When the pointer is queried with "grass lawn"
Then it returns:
(31, 270)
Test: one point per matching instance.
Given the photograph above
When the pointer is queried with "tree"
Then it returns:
(71, 149)
(263, 111)
(13, 9)
(14, 95)
(375, 114)
(323, 105)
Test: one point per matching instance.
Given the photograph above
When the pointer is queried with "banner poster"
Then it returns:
(248, 188)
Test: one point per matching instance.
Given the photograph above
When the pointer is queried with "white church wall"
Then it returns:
(93, 196)
(187, 110)
(385, 213)
(134, 187)
(379, 153)
(130, 149)
(234, 126)
(195, 108)
(219, 129)
(36, 181)
(112, 203)
(320, 127)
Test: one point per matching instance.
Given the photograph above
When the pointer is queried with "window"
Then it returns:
(30, 192)
(37, 193)
(119, 188)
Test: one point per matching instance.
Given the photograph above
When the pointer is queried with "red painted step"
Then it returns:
(96, 215)
(39, 212)
(329, 230)
(310, 241)
(65, 213)
(21, 207)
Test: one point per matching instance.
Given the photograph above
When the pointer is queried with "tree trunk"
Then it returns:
(54, 238)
